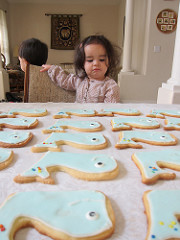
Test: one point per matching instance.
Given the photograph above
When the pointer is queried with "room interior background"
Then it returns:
(152, 51)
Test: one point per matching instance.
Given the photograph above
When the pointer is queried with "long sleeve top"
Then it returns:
(87, 90)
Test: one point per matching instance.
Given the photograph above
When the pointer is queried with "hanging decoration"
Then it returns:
(166, 21)
(65, 31)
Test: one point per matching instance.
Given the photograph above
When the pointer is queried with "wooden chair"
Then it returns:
(38, 87)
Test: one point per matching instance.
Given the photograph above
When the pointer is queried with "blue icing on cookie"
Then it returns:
(161, 113)
(129, 138)
(86, 163)
(172, 123)
(78, 112)
(13, 137)
(75, 213)
(60, 125)
(4, 155)
(17, 122)
(163, 206)
(79, 140)
(128, 123)
(149, 163)
(125, 111)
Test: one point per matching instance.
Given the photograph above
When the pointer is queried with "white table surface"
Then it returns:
(125, 192)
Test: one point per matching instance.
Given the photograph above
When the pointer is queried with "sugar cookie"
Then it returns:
(162, 209)
(6, 115)
(129, 139)
(163, 113)
(39, 112)
(90, 141)
(18, 123)
(136, 122)
(119, 111)
(6, 157)
(152, 165)
(91, 167)
(82, 126)
(172, 124)
(14, 139)
(66, 113)
(66, 215)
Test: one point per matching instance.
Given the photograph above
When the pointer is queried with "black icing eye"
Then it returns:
(92, 215)
(94, 140)
(163, 137)
(92, 124)
(99, 164)
(15, 136)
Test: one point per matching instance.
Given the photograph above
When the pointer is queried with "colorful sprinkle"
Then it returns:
(161, 223)
(153, 236)
(2, 228)
(171, 226)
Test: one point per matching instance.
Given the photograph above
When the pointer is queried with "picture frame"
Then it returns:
(65, 31)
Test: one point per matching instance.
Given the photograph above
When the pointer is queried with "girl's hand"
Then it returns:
(45, 68)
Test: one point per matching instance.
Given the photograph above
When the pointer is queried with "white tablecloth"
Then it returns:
(125, 192)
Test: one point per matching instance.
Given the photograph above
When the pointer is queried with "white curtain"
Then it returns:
(4, 41)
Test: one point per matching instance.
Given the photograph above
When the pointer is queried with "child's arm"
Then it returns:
(62, 78)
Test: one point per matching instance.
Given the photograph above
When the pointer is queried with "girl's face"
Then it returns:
(23, 63)
(96, 61)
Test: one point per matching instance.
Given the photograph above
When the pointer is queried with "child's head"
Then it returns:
(32, 51)
(111, 58)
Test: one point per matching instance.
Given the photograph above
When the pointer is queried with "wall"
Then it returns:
(28, 20)
(150, 68)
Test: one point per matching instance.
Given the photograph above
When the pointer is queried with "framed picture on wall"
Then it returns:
(65, 31)
(166, 21)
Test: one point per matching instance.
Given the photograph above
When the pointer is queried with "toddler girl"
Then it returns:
(95, 61)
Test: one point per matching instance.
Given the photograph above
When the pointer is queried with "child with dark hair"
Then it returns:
(32, 51)
(96, 60)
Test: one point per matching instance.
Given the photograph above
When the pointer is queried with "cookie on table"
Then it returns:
(153, 164)
(90, 167)
(6, 157)
(133, 122)
(66, 113)
(82, 126)
(18, 123)
(37, 112)
(130, 139)
(162, 210)
(66, 215)
(6, 115)
(172, 124)
(163, 113)
(14, 139)
(119, 111)
(89, 141)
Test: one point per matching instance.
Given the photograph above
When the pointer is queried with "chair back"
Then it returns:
(38, 87)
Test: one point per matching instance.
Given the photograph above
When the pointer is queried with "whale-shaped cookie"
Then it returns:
(18, 123)
(119, 111)
(136, 122)
(163, 113)
(163, 210)
(6, 157)
(151, 163)
(129, 139)
(6, 115)
(90, 141)
(66, 113)
(82, 126)
(76, 215)
(39, 112)
(91, 167)
(14, 139)
(172, 124)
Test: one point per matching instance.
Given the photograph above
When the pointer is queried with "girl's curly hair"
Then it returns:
(113, 54)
